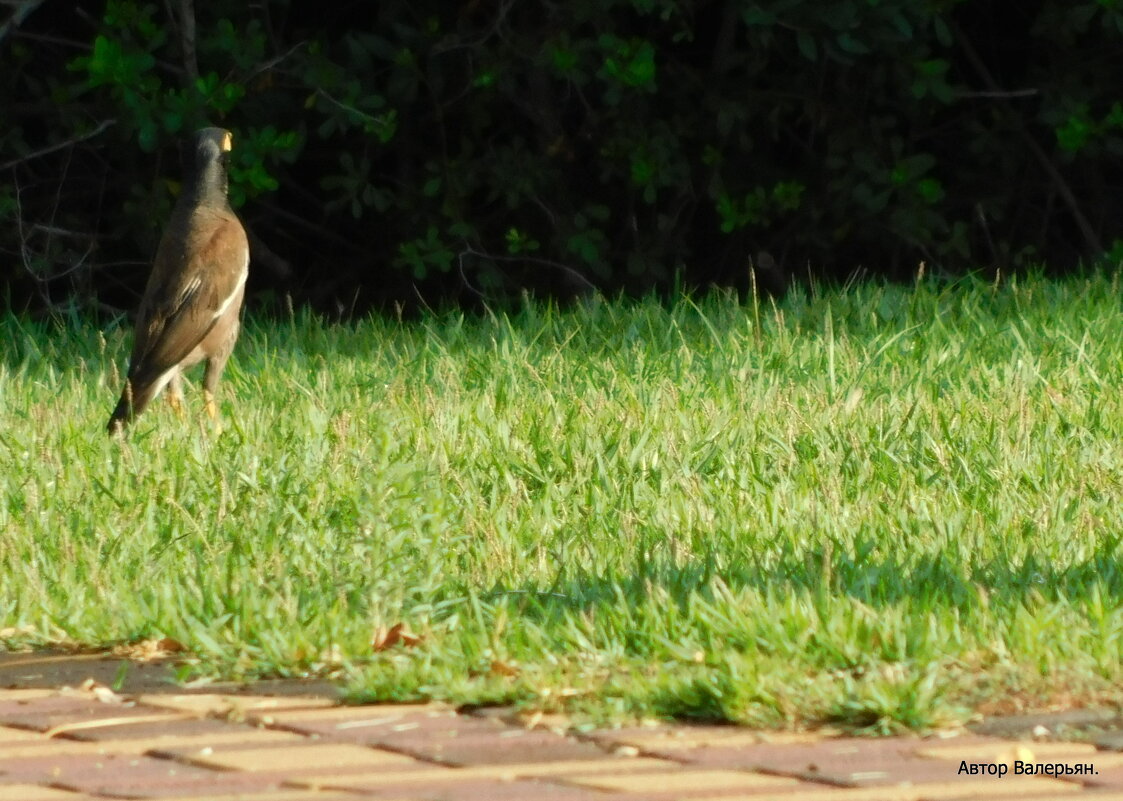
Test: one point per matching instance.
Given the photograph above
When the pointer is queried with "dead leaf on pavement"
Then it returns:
(100, 692)
(149, 650)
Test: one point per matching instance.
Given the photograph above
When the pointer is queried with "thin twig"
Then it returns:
(320, 230)
(572, 273)
(982, 217)
(26, 253)
(86, 46)
(59, 145)
(999, 93)
(1091, 238)
(54, 230)
(265, 66)
(22, 11)
(500, 17)
(464, 276)
(187, 39)
(346, 106)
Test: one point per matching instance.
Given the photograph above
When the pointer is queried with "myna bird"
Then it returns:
(189, 312)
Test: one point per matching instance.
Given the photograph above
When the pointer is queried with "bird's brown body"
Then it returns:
(190, 309)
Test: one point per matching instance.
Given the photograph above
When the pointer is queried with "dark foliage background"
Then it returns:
(399, 151)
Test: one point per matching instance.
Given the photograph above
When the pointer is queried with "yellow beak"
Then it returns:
(227, 142)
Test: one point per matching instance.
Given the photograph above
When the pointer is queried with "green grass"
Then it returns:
(886, 507)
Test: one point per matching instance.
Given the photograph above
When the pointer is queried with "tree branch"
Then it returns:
(1001, 94)
(271, 63)
(1091, 238)
(187, 39)
(565, 268)
(22, 11)
(58, 146)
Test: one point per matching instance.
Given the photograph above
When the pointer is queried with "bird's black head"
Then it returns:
(205, 162)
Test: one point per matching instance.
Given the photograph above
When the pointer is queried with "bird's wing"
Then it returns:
(194, 280)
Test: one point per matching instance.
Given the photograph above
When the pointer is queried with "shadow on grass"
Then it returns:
(938, 579)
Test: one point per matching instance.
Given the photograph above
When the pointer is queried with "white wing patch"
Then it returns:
(189, 289)
(161, 382)
(237, 287)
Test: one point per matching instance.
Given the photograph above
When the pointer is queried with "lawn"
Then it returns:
(885, 506)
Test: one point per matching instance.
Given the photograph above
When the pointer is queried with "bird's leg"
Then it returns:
(209, 405)
(212, 410)
(211, 375)
(175, 395)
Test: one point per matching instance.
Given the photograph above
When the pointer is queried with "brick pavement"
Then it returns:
(90, 742)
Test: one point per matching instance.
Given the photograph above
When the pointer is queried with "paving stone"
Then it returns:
(678, 738)
(59, 669)
(46, 746)
(283, 794)
(456, 747)
(989, 789)
(400, 780)
(193, 790)
(538, 770)
(186, 736)
(859, 762)
(185, 745)
(26, 694)
(224, 705)
(9, 735)
(346, 718)
(907, 771)
(434, 774)
(682, 782)
(840, 754)
(275, 687)
(303, 758)
(1091, 795)
(1111, 741)
(515, 791)
(47, 766)
(35, 792)
(61, 713)
(1100, 760)
(188, 747)
(994, 751)
(550, 721)
(143, 728)
(81, 772)
(1109, 771)
(870, 769)
(474, 790)
(53, 669)
(228, 742)
(433, 734)
(1015, 726)
(164, 779)
(17, 662)
(790, 758)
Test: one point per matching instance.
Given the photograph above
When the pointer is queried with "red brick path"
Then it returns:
(92, 743)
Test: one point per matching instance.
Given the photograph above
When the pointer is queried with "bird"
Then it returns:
(190, 309)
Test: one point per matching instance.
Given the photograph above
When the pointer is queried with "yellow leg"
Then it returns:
(176, 404)
(210, 405)
(175, 395)
(212, 410)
